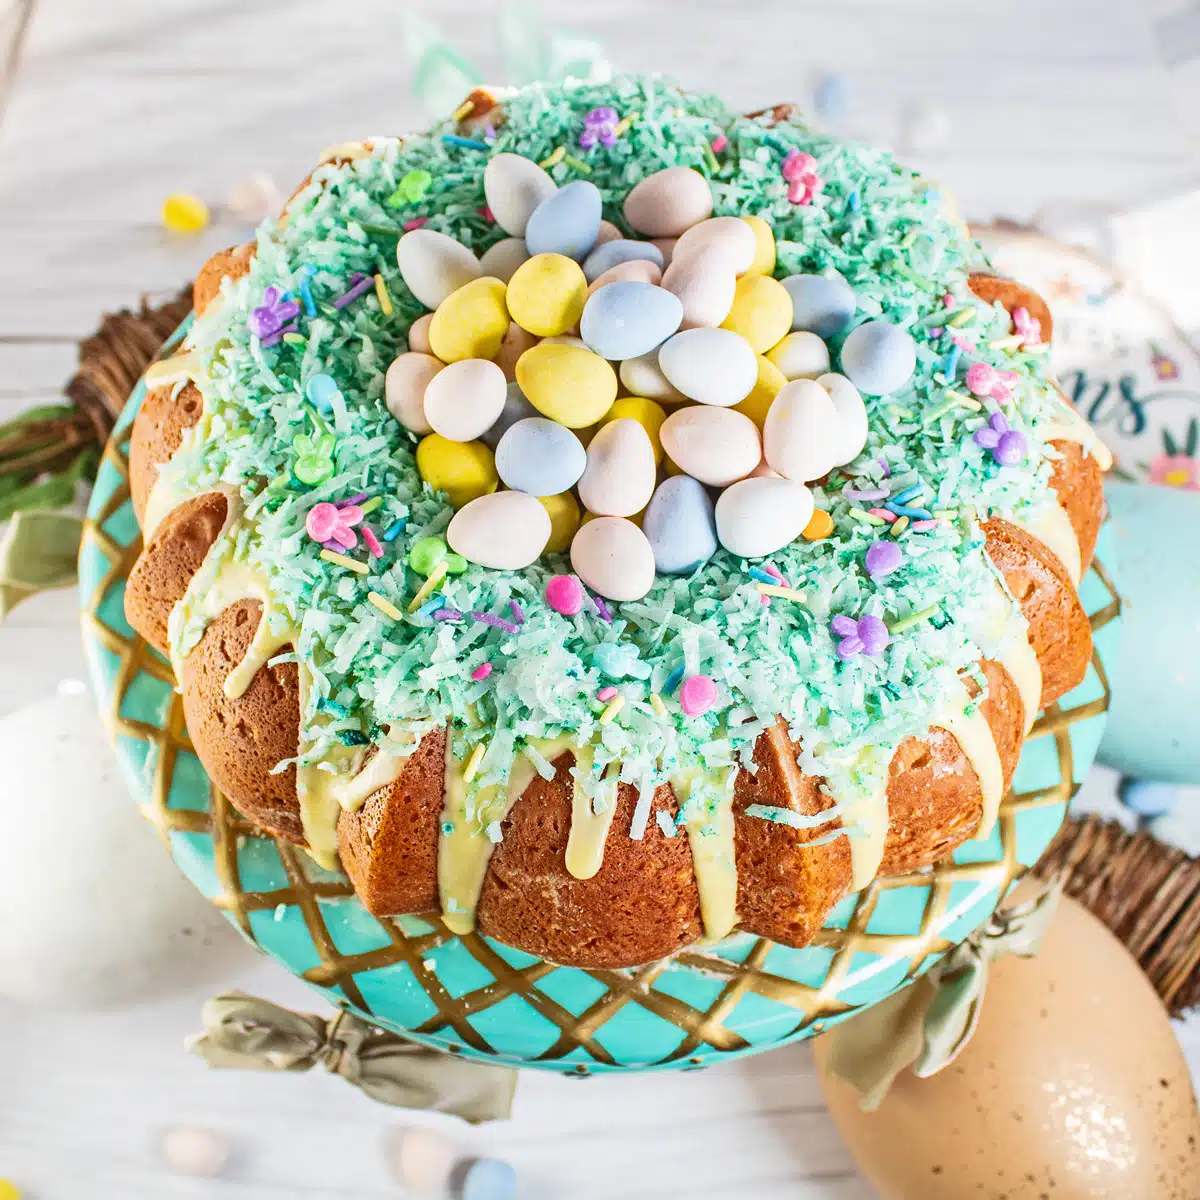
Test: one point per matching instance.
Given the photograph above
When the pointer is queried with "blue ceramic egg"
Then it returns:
(878, 358)
(516, 408)
(627, 319)
(680, 525)
(566, 222)
(619, 250)
(540, 456)
(820, 305)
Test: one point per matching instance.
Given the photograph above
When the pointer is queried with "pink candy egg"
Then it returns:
(564, 594)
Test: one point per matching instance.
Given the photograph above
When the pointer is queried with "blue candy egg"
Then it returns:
(626, 319)
(680, 526)
(540, 456)
(878, 358)
(619, 250)
(320, 390)
(516, 408)
(1147, 797)
(566, 222)
(489, 1179)
(831, 96)
(820, 305)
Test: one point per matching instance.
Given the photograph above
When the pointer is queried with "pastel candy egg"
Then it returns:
(433, 265)
(800, 355)
(705, 284)
(878, 358)
(608, 232)
(712, 366)
(626, 320)
(800, 432)
(404, 389)
(470, 323)
(636, 270)
(666, 246)
(820, 304)
(514, 186)
(761, 312)
(850, 436)
(668, 202)
(645, 412)
(680, 526)
(714, 445)
(612, 556)
(418, 334)
(516, 408)
(565, 339)
(489, 1179)
(607, 255)
(546, 294)
(540, 456)
(506, 531)
(569, 385)
(502, 259)
(619, 478)
(764, 247)
(464, 399)
(516, 342)
(767, 386)
(565, 222)
(564, 520)
(643, 377)
(463, 470)
(729, 239)
(759, 516)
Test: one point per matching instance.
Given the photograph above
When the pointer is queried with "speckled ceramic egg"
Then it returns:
(433, 266)
(505, 530)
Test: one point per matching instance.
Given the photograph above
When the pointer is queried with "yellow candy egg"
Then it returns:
(764, 247)
(564, 521)
(646, 413)
(184, 213)
(568, 384)
(546, 294)
(768, 385)
(820, 525)
(463, 470)
(761, 312)
(471, 322)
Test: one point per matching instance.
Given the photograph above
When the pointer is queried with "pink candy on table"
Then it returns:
(605, 694)
(564, 594)
(697, 695)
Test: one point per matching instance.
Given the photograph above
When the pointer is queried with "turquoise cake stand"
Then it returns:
(476, 997)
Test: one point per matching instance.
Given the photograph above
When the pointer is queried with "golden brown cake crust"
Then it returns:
(157, 432)
(1079, 484)
(1011, 294)
(229, 264)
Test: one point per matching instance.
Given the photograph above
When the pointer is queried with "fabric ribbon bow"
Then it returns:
(242, 1031)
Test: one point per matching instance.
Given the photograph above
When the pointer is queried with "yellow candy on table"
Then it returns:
(546, 294)
(184, 213)
(761, 312)
(568, 384)
(463, 470)
(820, 525)
(767, 386)
(9, 1190)
(764, 247)
(646, 413)
(471, 322)
(564, 521)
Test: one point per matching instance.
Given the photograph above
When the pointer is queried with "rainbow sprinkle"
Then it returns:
(341, 560)
(385, 606)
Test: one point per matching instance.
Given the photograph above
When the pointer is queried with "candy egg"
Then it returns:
(514, 186)
(612, 556)
(564, 520)
(626, 320)
(668, 202)
(418, 334)
(680, 526)
(516, 408)
(433, 265)
(643, 377)
(666, 247)
(878, 358)
(850, 435)
(764, 247)
(646, 413)
(565, 339)
(761, 312)
(608, 232)
(404, 389)
(729, 238)
(712, 366)
(607, 255)
(705, 284)
(636, 270)
(540, 456)
(572, 386)
(546, 294)
(759, 516)
(767, 386)
(463, 470)
(565, 222)
(800, 355)
(619, 478)
(715, 445)
(464, 399)
(506, 531)
(471, 322)
(800, 432)
(821, 304)
(502, 259)
(516, 342)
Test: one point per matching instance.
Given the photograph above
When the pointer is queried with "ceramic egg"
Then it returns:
(514, 186)
(612, 556)
(506, 531)
(758, 516)
(669, 202)
(619, 478)
(714, 445)
(712, 366)
(433, 266)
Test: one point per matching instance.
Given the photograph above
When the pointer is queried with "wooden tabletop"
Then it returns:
(113, 105)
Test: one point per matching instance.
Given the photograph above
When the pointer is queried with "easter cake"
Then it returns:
(608, 522)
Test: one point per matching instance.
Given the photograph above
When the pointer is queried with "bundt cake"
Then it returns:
(608, 522)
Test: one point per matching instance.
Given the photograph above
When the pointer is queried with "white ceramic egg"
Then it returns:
(714, 445)
(613, 557)
(711, 366)
(502, 259)
(705, 284)
(433, 265)
(514, 186)
(506, 531)
(800, 355)
(404, 388)
(730, 238)
(618, 480)
(465, 399)
(800, 432)
(850, 435)
(758, 516)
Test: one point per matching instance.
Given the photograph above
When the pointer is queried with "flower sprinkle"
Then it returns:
(599, 128)
(800, 171)
(329, 523)
(867, 635)
(985, 380)
(1027, 326)
(1008, 445)
(275, 311)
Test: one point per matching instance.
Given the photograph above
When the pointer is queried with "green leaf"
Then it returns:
(55, 491)
(1193, 437)
(1169, 442)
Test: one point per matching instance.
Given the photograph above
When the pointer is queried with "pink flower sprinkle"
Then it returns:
(564, 594)
(985, 380)
(800, 171)
(415, 223)
(328, 523)
(481, 672)
(1027, 325)
(697, 695)
(719, 143)
(605, 694)
(947, 300)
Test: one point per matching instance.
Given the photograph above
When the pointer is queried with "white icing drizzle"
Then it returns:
(711, 839)
(175, 369)
(1002, 633)
(1052, 527)
(974, 736)
(591, 818)
(865, 816)
(317, 789)
(169, 490)
(384, 768)
(1070, 426)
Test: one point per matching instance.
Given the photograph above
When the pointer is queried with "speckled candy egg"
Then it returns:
(626, 320)
(546, 294)
(506, 531)
(636, 270)
(714, 445)
(609, 254)
(761, 312)
(729, 238)
(566, 222)
(516, 341)
(878, 358)
(464, 399)
(680, 525)
(418, 334)
(433, 265)
(761, 515)
(514, 186)
(850, 435)
(619, 478)
(612, 556)
(541, 457)
(712, 366)
(567, 384)
(643, 377)
(669, 202)
(705, 285)
(516, 408)
(821, 304)
(471, 322)
(501, 260)
(800, 432)
(404, 389)
(800, 355)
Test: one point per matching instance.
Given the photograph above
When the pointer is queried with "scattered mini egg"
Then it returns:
(831, 96)
(465, 399)
(421, 1159)
(506, 531)
(404, 388)
(546, 294)
(646, 413)
(433, 266)
(764, 247)
(516, 342)
(626, 320)
(184, 213)
(697, 694)
(565, 595)
(758, 516)
(572, 386)
(540, 456)
(727, 239)
(820, 525)
(619, 478)
(761, 312)
(612, 556)
(489, 1179)
(635, 270)
(501, 260)
(514, 187)
(194, 1150)
(666, 247)
(471, 322)
(463, 470)
(566, 222)
(767, 386)
(801, 355)
(643, 377)
(516, 408)
(821, 304)
(800, 432)
(669, 202)
(878, 358)
(608, 233)
(418, 334)
(712, 366)
(564, 521)
(255, 198)
(705, 285)
(850, 433)
(714, 445)
(611, 253)
(680, 526)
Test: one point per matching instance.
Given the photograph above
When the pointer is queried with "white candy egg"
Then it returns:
(712, 366)
(800, 356)
(464, 400)
(404, 388)
(729, 237)
(514, 186)
(502, 259)
(194, 1150)
(619, 478)
(714, 445)
(761, 515)
(422, 1159)
(800, 432)
(668, 202)
(506, 531)
(643, 377)
(418, 334)
(704, 283)
(851, 433)
(433, 265)
(613, 557)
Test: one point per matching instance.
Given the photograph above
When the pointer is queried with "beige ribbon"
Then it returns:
(38, 551)
(243, 1031)
(925, 1026)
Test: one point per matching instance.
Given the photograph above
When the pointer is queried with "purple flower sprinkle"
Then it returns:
(867, 635)
(865, 493)
(496, 622)
(274, 339)
(364, 284)
(602, 609)
(272, 314)
(599, 127)
(1008, 445)
(447, 614)
(518, 614)
(883, 558)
